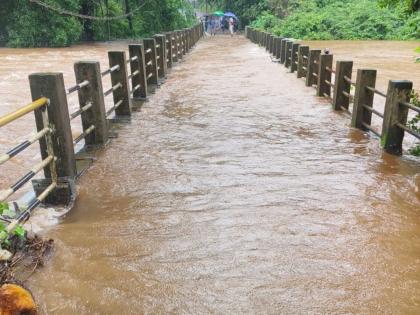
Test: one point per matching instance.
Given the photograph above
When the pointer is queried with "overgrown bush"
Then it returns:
(414, 123)
(26, 24)
(354, 19)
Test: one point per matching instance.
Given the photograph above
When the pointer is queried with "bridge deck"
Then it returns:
(233, 191)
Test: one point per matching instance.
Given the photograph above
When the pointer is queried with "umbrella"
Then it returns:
(218, 13)
(230, 14)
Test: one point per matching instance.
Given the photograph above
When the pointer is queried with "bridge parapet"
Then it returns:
(316, 68)
(149, 61)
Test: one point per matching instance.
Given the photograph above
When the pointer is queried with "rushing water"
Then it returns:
(235, 190)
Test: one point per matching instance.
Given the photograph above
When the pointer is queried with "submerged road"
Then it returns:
(236, 191)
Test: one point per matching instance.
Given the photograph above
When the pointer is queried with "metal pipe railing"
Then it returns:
(110, 70)
(23, 111)
(23, 145)
(84, 134)
(376, 91)
(80, 111)
(77, 87)
(25, 178)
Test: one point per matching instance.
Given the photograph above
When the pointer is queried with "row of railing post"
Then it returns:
(316, 68)
(148, 62)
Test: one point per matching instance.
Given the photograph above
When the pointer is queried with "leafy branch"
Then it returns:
(5, 213)
(414, 123)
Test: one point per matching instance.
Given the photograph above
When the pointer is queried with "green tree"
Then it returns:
(334, 19)
(408, 5)
(26, 24)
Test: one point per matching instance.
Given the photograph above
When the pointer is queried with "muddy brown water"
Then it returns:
(235, 191)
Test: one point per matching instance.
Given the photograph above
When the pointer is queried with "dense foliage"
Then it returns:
(353, 19)
(414, 123)
(26, 24)
(329, 19)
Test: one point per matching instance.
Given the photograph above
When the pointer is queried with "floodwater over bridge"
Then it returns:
(235, 190)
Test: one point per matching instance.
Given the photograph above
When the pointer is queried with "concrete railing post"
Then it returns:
(184, 42)
(273, 45)
(179, 44)
(187, 40)
(120, 77)
(283, 50)
(302, 66)
(394, 114)
(323, 88)
(151, 62)
(363, 97)
(169, 54)
(92, 93)
(343, 70)
(185, 34)
(288, 60)
(137, 50)
(311, 79)
(294, 57)
(161, 55)
(191, 39)
(174, 47)
(278, 47)
(267, 42)
(51, 85)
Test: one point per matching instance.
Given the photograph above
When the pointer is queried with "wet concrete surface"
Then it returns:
(236, 191)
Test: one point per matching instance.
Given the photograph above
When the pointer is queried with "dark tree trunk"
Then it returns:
(129, 18)
(88, 8)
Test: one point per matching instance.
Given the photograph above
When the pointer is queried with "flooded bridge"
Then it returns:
(234, 190)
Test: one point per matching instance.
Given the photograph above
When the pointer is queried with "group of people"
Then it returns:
(215, 23)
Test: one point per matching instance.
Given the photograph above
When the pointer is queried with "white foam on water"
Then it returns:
(44, 218)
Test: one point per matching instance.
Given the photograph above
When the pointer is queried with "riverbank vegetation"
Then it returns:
(26, 23)
(330, 19)
(414, 123)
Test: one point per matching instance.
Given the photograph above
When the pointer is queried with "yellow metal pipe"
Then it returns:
(23, 111)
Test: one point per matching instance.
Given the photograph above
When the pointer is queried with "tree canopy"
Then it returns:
(329, 19)
(27, 24)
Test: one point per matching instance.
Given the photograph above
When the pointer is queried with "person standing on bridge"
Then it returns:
(212, 26)
(231, 26)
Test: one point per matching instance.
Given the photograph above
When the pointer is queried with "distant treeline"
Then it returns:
(329, 19)
(27, 24)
